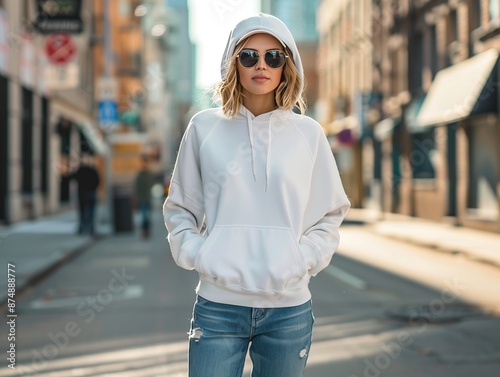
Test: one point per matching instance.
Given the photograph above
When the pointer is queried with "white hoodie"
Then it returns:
(255, 203)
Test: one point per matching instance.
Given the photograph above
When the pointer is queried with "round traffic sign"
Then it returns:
(60, 48)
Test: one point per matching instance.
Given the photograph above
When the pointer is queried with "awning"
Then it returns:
(92, 135)
(85, 123)
(464, 89)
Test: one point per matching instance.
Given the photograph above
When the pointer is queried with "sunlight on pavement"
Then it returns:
(164, 360)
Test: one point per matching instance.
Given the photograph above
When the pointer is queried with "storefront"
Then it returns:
(463, 114)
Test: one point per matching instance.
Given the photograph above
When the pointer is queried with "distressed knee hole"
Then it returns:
(195, 334)
(303, 353)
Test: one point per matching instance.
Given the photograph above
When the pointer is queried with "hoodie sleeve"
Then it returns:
(183, 210)
(325, 211)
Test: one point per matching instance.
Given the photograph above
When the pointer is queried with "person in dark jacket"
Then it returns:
(88, 181)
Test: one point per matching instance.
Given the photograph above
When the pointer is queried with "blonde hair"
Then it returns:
(288, 94)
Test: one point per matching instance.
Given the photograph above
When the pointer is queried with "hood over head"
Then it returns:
(261, 23)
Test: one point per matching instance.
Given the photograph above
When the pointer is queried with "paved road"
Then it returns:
(384, 308)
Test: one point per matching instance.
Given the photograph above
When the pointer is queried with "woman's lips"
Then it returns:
(260, 78)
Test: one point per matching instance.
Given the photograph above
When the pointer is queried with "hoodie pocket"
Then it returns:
(252, 259)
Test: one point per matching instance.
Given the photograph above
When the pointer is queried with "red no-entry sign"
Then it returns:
(60, 48)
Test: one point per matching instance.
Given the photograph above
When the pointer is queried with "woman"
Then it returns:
(255, 206)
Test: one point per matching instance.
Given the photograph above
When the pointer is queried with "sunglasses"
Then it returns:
(273, 58)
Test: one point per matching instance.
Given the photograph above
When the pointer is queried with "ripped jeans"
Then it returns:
(220, 334)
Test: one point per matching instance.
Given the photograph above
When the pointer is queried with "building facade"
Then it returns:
(345, 89)
(440, 157)
(46, 113)
(459, 116)
(159, 93)
(430, 135)
(50, 115)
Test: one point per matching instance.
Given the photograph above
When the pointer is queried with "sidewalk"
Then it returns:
(37, 246)
(476, 245)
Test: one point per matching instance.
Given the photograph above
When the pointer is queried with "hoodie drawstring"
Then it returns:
(268, 158)
(250, 135)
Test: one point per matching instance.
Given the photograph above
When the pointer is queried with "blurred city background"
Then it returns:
(407, 94)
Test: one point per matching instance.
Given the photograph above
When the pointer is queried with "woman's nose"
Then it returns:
(261, 64)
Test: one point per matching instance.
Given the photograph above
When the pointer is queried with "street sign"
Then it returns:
(108, 115)
(107, 88)
(60, 77)
(56, 16)
(60, 48)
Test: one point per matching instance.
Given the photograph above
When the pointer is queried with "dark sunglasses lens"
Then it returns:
(275, 58)
(248, 58)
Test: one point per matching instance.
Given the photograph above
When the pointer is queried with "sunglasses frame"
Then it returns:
(258, 57)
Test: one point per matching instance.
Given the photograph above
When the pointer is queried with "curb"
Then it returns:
(438, 248)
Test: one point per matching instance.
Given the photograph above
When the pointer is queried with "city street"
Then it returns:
(383, 308)
(263, 120)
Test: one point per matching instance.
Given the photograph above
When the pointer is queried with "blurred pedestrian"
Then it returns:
(144, 182)
(263, 181)
(88, 180)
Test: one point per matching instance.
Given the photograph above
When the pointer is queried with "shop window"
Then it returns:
(453, 39)
(421, 156)
(64, 130)
(44, 158)
(474, 14)
(474, 22)
(434, 63)
(4, 150)
(394, 73)
(483, 200)
(452, 26)
(27, 141)
(416, 62)
(378, 156)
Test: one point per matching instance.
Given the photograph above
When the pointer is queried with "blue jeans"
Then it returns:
(279, 339)
(145, 210)
(87, 203)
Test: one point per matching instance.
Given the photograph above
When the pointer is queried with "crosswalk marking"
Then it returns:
(130, 292)
(346, 277)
